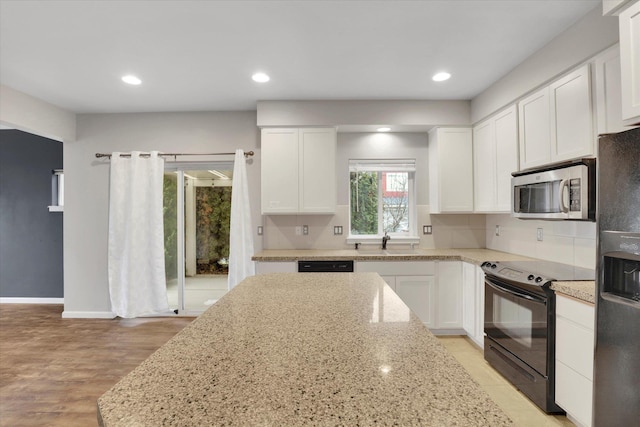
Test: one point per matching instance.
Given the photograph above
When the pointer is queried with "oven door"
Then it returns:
(517, 321)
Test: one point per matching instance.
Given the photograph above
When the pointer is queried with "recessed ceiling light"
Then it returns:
(260, 77)
(440, 77)
(132, 80)
(383, 129)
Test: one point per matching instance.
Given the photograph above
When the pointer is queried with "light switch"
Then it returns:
(427, 229)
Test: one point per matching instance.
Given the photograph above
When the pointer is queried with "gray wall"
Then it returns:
(587, 37)
(383, 146)
(30, 236)
(86, 287)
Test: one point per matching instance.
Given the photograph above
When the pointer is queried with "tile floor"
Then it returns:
(520, 409)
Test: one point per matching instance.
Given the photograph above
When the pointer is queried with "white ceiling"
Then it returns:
(200, 55)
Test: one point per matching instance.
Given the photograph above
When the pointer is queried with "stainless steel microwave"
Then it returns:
(557, 191)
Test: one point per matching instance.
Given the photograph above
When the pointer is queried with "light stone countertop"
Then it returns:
(583, 290)
(302, 349)
(474, 256)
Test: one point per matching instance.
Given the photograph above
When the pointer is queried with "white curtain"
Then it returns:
(137, 284)
(240, 237)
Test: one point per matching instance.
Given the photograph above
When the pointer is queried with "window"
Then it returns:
(382, 198)
(57, 191)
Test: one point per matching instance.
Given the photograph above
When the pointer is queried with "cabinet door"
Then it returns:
(469, 298)
(317, 191)
(479, 335)
(279, 171)
(484, 167)
(390, 280)
(417, 292)
(454, 169)
(449, 307)
(534, 129)
(506, 140)
(571, 125)
(608, 92)
(263, 267)
(629, 21)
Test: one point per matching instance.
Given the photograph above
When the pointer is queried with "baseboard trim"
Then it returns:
(24, 300)
(88, 315)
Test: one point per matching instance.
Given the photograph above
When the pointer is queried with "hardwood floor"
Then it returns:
(53, 370)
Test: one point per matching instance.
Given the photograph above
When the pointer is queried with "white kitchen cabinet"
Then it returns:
(608, 91)
(571, 116)
(263, 267)
(418, 292)
(495, 157)
(555, 122)
(574, 358)
(613, 7)
(449, 311)
(535, 129)
(629, 25)
(432, 290)
(473, 302)
(298, 171)
(450, 170)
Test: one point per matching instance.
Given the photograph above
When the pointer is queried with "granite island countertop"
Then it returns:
(302, 349)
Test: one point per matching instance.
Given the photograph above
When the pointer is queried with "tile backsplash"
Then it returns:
(449, 231)
(568, 242)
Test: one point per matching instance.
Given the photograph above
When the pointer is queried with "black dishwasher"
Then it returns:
(325, 266)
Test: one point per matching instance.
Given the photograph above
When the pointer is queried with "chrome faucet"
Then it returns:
(385, 238)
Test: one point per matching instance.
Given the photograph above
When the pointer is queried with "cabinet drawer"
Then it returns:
(397, 268)
(574, 346)
(574, 393)
(580, 313)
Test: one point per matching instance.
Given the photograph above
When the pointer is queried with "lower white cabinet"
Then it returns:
(473, 302)
(431, 289)
(263, 267)
(574, 358)
(418, 292)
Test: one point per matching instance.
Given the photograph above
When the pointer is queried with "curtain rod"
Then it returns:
(246, 154)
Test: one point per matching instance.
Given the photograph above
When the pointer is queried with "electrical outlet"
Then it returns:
(260, 230)
(427, 229)
(305, 230)
(497, 230)
(539, 235)
(298, 230)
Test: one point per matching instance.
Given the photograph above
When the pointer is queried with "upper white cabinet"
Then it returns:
(450, 170)
(629, 21)
(608, 91)
(298, 171)
(495, 156)
(555, 122)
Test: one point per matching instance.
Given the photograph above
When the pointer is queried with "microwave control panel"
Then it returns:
(574, 195)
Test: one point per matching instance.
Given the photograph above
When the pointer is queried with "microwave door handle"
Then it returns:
(513, 292)
(564, 184)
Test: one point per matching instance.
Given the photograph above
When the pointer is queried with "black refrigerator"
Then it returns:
(616, 393)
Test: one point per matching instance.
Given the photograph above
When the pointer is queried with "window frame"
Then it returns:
(389, 166)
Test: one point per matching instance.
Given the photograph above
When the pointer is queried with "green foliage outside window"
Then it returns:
(170, 215)
(364, 203)
(213, 221)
